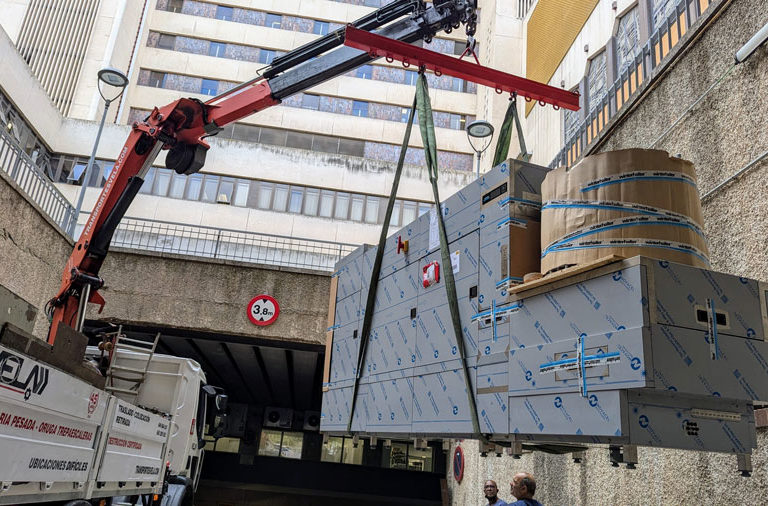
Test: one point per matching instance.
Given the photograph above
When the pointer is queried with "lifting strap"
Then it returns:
(505, 135)
(427, 127)
(371, 298)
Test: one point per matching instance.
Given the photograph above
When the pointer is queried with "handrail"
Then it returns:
(23, 171)
(227, 244)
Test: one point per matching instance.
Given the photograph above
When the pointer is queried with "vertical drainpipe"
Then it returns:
(132, 63)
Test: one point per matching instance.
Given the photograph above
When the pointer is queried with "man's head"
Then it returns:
(490, 489)
(523, 486)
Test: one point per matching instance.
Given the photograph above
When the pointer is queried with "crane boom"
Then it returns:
(182, 126)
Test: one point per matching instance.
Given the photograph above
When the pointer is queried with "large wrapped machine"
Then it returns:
(638, 351)
(627, 203)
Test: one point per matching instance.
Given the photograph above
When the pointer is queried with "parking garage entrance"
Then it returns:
(270, 450)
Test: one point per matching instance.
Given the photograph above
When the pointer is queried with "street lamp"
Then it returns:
(479, 129)
(116, 79)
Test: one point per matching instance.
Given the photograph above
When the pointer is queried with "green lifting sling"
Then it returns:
(421, 104)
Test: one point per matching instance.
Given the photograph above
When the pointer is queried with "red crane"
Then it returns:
(182, 126)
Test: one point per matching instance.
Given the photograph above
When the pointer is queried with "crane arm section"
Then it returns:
(181, 127)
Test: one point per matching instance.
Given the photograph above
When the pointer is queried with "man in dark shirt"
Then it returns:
(491, 491)
(523, 488)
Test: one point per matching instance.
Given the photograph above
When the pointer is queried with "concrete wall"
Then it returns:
(192, 293)
(720, 135)
(33, 251)
(187, 293)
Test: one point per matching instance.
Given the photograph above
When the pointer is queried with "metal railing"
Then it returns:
(220, 243)
(39, 189)
(653, 53)
(169, 237)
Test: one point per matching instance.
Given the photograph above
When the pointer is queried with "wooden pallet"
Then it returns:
(565, 273)
(329, 333)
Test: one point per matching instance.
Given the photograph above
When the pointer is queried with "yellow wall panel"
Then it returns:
(552, 28)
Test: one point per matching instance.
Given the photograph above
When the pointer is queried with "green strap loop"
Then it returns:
(427, 127)
(426, 123)
(371, 300)
(505, 135)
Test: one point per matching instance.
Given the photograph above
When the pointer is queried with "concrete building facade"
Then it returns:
(701, 106)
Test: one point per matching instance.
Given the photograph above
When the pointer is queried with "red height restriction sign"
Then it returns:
(263, 310)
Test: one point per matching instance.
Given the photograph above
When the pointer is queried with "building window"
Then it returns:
(217, 49)
(269, 446)
(332, 449)
(406, 456)
(364, 71)
(660, 11)
(265, 195)
(394, 220)
(156, 79)
(273, 20)
(371, 210)
(194, 184)
(175, 5)
(241, 193)
(281, 198)
(311, 199)
(177, 186)
(360, 108)
(320, 28)
(165, 41)
(326, 204)
(597, 81)
(310, 101)
(356, 210)
(409, 212)
(342, 206)
(296, 197)
(275, 443)
(210, 185)
(209, 87)
(627, 40)
(411, 76)
(149, 178)
(266, 56)
(224, 13)
(162, 181)
(226, 189)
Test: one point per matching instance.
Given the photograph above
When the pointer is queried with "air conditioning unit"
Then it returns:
(312, 421)
(281, 418)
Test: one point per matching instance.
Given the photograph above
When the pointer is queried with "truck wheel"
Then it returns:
(179, 495)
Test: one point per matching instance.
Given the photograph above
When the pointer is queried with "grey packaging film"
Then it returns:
(394, 260)
(435, 340)
(392, 341)
(681, 300)
(639, 352)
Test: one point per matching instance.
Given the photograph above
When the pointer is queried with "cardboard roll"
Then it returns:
(629, 202)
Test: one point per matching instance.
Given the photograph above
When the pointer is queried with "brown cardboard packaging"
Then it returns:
(524, 245)
(632, 176)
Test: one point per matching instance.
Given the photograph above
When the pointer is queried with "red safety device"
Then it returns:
(378, 46)
(431, 274)
(401, 245)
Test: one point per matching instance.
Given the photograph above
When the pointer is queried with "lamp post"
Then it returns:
(116, 79)
(479, 129)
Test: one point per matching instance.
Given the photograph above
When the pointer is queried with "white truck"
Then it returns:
(65, 441)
